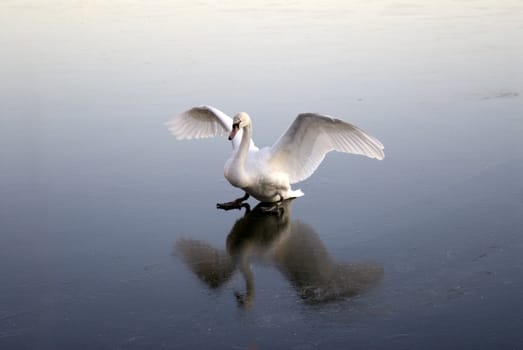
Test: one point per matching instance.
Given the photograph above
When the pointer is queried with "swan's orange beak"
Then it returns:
(235, 128)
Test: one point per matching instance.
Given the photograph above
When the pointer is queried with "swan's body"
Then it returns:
(267, 173)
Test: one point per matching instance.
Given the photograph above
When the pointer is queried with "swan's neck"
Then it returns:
(235, 171)
(243, 150)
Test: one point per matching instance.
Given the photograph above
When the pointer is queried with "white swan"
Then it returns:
(267, 173)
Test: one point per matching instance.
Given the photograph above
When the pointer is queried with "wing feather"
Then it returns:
(200, 122)
(204, 122)
(311, 136)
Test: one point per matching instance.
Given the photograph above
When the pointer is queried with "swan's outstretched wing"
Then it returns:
(301, 149)
(200, 122)
(203, 122)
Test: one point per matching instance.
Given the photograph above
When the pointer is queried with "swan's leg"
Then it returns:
(235, 204)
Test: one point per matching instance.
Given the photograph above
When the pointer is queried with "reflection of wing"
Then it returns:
(342, 281)
(212, 266)
(311, 136)
(305, 261)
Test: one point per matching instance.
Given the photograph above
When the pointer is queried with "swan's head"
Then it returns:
(240, 121)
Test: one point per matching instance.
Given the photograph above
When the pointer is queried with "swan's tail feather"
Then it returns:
(296, 194)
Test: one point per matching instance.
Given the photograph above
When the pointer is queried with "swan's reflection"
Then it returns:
(292, 247)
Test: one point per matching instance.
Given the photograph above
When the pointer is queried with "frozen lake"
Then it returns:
(109, 235)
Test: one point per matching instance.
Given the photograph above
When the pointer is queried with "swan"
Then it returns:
(268, 173)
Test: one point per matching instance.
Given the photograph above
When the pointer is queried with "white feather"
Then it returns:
(301, 149)
(203, 122)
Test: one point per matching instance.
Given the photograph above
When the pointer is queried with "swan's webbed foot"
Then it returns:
(235, 204)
